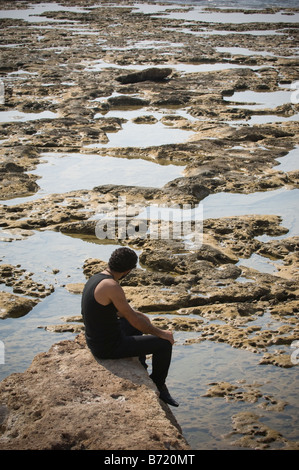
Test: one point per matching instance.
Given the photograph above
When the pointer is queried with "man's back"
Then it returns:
(102, 328)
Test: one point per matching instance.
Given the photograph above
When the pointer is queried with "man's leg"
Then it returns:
(136, 344)
(129, 330)
(161, 351)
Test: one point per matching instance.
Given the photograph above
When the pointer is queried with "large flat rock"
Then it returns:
(67, 400)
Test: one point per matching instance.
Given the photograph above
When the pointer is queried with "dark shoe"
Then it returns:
(166, 397)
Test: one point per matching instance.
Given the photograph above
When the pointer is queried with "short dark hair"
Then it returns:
(122, 259)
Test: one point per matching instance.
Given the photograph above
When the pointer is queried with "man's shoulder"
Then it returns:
(111, 283)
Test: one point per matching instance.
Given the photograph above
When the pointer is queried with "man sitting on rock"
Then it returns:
(113, 329)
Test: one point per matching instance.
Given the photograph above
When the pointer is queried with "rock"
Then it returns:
(145, 120)
(126, 101)
(68, 327)
(255, 435)
(17, 184)
(247, 393)
(152, 74)
(178, 324)
(278, 358)
(15, 306)
(75, 288)
(191, 188)
(22, 281)
(156, 299)
(92, 266)
(66, 400)
(220, 389)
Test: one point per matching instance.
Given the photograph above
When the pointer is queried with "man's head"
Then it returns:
(122, 259)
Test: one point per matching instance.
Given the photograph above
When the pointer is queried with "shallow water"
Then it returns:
(258, 100)
(14, 115)
(73, 171)
(289, 162)
(33, 12)
(198, 13)
(282, 202)
(204, 420)
(207, 32)
(97, 66)
(143, 135)
(267, 119)
(243, 51)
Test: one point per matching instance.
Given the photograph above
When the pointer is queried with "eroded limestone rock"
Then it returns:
(257, 435)
(66, 400)
(15, 306)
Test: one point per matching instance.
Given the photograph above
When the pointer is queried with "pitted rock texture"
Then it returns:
(67, 400)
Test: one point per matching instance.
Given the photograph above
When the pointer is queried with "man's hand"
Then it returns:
(166, 334)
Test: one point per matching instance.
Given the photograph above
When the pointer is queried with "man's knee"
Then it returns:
(165, 345)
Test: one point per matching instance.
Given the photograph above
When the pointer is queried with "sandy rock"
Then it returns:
(22, 282)
(181, 324)
(257, 435)
(67, 400)
(65, 327)
(75, 288)
(15, 306)
(156, 299)
(220, 389)
(278, 358)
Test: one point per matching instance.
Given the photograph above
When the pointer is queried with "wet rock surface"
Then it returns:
(257, 435)
(65, 80)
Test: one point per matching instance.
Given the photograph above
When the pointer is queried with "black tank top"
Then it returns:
(102, 325)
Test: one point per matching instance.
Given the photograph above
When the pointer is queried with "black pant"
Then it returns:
(134, 343)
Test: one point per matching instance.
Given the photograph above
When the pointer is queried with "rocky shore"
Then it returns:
(64, 76)
(67, 400)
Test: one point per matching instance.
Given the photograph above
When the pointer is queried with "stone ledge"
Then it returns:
(67, 400)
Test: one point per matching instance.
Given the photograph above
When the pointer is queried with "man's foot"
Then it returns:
(166, 397)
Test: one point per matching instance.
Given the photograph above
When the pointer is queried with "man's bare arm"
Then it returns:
(135, 318)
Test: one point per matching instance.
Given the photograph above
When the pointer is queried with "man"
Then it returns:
(113, 329)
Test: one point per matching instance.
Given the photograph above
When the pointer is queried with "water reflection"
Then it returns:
(74, 171)
(282, 202)
(15, 115)
(270, 99)
(206, 421)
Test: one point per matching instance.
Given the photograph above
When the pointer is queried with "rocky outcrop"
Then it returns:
(67, 400)
(14, 306)
(152, 74)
